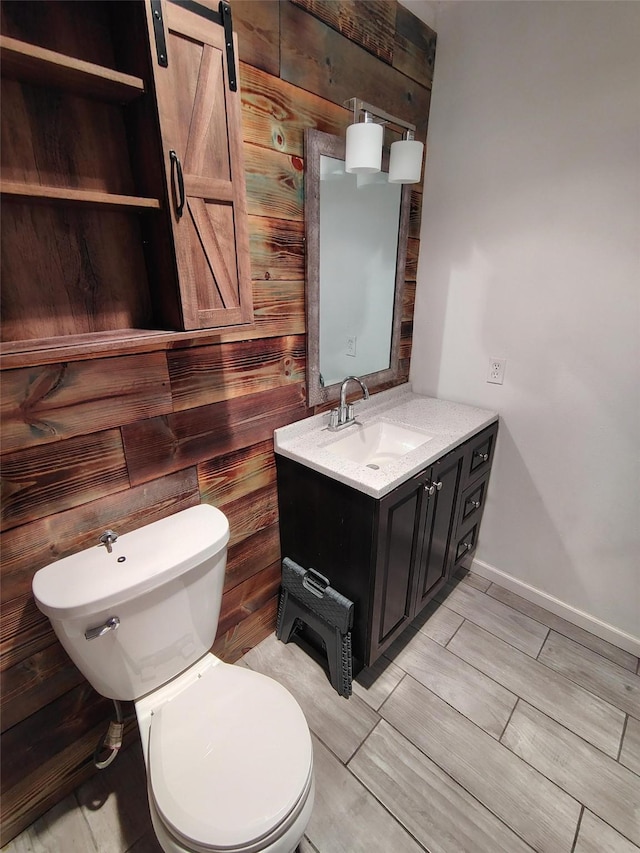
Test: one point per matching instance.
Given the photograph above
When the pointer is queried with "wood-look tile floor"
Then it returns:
(490, 726)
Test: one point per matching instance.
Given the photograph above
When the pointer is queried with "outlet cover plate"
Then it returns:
(496, 370)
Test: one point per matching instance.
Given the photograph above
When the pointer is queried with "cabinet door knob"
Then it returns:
(474, 504)
(481, 456)
(429, 488)
(437, 485)
(467, 546)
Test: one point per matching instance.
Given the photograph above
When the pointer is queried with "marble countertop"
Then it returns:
(449, 424)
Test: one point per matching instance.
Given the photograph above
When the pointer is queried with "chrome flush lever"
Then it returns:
(107, 539)
(111, 624)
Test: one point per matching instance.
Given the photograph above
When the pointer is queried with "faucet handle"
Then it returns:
(333, 419)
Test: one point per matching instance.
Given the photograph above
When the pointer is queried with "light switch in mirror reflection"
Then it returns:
(358, 257)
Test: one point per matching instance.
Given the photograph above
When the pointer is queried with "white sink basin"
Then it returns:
(377, 444)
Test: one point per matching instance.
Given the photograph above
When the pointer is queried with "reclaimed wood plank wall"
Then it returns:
(122, 441)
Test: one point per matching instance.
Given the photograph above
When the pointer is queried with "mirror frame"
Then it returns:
(316, 144)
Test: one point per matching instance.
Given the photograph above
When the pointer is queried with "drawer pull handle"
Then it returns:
(437, 486)
(474, 504)
(482, 456)
(429, 488)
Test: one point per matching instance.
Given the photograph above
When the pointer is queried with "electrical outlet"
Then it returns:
(351, 345)
(496, 370)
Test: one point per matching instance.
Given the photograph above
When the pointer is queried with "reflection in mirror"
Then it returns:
(356, 228)
(357, 289)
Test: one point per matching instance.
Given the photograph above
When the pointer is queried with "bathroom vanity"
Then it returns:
(389, 507)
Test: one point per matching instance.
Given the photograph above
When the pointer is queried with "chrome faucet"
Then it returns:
(343, 416)
(107, 539)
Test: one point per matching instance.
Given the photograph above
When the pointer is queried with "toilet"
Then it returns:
(227, 750)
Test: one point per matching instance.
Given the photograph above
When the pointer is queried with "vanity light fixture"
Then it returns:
(364, 144)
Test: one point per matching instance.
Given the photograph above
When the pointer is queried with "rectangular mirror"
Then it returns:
(356, 245)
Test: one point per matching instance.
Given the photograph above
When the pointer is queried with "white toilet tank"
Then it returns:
(161, 586)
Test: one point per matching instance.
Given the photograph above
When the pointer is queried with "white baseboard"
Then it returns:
(578, 617)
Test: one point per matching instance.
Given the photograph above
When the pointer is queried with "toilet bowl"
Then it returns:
(227, 750)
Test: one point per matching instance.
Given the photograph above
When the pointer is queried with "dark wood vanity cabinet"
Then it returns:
(390, 556)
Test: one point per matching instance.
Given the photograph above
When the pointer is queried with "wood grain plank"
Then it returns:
(485, 768)
(157, 446)
(371, 25)
(42, 480)
(605, 787)
(31, 684)
(414, 48)
(277, 249)
(415, 211)
(62, 828)
(213, 374)
(45, 404)
(89, 287)
(279, 308)
(411, 267)
(316, 58)
(37, 739)
(248, 597)
(408, 301)
(595, 836)
(561, 626)
(38, 65)
(341, 724)
(275, 183)
(247, 517)
(592, 671)
(238, 474)
(246, 634)
(276, 113)
(580, 711)
(465, 688)
(258, 28)
(404, 779)
(27, 548)
(53, 780)
(248, 556)
(346, 817)
(24, 630)
(630, 752)
(38, 791)
(515, 628)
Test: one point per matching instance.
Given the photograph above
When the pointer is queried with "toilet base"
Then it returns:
(286, 843)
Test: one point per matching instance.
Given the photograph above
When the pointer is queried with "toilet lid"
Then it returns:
(229, 757)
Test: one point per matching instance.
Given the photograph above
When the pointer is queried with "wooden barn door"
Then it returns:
(201, 129)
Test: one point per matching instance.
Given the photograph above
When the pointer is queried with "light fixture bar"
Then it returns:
(358, 106)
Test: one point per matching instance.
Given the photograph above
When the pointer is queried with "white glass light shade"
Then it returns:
(364, 148)
(405, 164)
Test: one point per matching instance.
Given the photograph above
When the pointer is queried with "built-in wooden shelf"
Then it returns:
(71, 195)
(33, 64)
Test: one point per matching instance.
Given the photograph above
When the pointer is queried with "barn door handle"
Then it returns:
(176, 168)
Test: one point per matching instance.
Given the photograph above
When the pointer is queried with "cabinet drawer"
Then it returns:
(472, 502)
(465, 544)
(479, 455)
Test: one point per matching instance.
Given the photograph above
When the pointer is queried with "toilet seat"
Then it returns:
(229, 761)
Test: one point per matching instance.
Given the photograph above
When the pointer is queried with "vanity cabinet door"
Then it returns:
(396, 548)
(436, 525)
